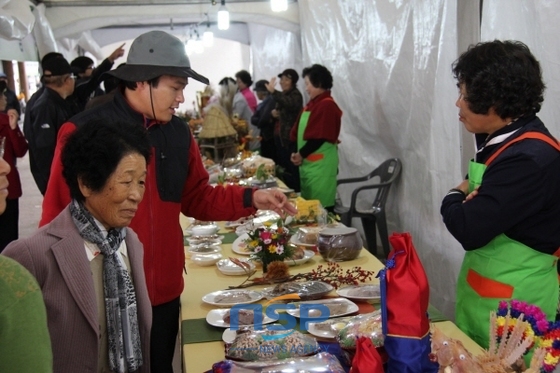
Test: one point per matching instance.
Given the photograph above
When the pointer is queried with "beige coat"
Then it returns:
(56, 256)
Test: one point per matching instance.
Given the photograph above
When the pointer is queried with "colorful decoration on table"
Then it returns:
(269, 244)
(405, 294)
(332, 274)
(516, 329)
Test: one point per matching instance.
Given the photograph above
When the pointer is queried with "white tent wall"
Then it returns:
(536, 24)
(273, 51)
(392, 78)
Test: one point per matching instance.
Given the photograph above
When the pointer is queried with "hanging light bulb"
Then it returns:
(189, 47)
(279, 5)
(208, 36)
(223, 17)
(198, 44)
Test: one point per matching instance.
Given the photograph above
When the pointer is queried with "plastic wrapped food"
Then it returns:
(322, 362)
(257, 345)
(308, 290)
(366, 325)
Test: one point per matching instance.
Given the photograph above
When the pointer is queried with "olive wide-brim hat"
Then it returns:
(154, 54)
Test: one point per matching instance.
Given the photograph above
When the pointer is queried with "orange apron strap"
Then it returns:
(526, 135)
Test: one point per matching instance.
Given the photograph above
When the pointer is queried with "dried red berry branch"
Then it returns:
(332, 274)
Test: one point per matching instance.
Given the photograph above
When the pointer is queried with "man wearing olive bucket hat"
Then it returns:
(152, 83)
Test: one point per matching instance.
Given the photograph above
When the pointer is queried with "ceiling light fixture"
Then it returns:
(208, 36)
(223, 17)
(279, 5)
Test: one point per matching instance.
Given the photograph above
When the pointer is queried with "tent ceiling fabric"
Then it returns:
(69, 18)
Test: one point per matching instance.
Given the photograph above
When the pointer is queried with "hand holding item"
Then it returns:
(273, 200)
(296, 159)
(270, 85)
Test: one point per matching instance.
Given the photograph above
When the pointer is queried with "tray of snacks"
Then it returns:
(264, 344)
(366, 325)
(307, 290)
(321, 362)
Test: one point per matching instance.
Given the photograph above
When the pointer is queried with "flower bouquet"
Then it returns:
(269, 244)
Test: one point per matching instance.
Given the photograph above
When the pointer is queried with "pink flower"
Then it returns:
(267, 241)
(258, 249)
(266, 236)
(280, 250)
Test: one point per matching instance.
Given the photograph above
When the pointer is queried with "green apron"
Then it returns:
(503, 269)
(318, 171)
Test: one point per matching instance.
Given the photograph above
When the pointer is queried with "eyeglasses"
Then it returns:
(2, 144)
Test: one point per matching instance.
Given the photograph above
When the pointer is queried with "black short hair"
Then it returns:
(81, 63)
(93, 152)
(319, 76)
(245, 77)
(503, 75)
(132, 85)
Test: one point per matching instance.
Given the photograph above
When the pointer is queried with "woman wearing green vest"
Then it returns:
(506, 215)
(316, 132)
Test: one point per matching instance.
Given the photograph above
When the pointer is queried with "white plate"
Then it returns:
(211, 297)
(227, 267)
(239, 246)
(307, 254)
(351, 307)
(326, 329)
(360, 292)
(296, 242)
(216, 318)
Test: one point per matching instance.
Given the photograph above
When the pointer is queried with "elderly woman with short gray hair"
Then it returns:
(87, 262)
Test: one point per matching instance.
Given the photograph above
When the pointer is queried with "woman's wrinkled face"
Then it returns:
(116, 204)
(166, 97)
(311, 89)
(477, 123)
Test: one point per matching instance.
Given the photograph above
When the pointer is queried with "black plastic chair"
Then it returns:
(374, 216)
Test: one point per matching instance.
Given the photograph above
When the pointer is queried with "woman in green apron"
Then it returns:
(316, 133)
(506, 215)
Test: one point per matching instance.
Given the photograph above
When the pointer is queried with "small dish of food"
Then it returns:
(205, 260)
(228, 298)
(230, 268)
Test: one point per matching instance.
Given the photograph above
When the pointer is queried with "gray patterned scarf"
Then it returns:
(125, 352)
